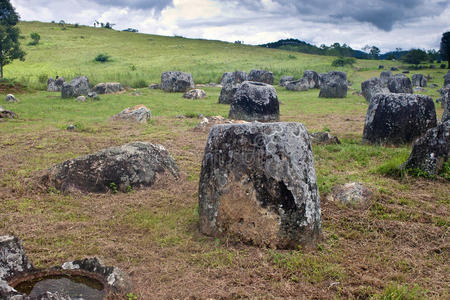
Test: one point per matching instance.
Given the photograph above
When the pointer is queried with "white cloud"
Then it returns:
(254, 22)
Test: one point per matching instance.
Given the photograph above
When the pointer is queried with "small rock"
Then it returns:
(71, 127)
(138, 113)
(380, 67)
(7, 114)
(298, 85)
(11, 98)
(323, 138)
(195, 94)
(433, 85)
(284, 80)
(405, 72)
(81, 99)
(107, 88)
(154, 86)
(394, 69)
(354, 193)
(93, 96)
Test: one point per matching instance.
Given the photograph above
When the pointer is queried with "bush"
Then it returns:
(139, 83)
(43, 78)
(102, 57)
(35, 38)
(343, 61)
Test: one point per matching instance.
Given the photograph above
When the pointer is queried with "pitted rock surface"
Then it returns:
(117, 280)
(384, 77)
(333, 85)
(431, 151)
(55, 85)
(260, 76)
(258, 185)
(398, 118)
(230, 83)
(139, 113)
(107, 88)
(372, 87)
(312, 78)
(399, 83)
(284, 80)
(79, 86)
(13, 260)
(447, 79)
(353, 194)
(255, 101)
(132, 165)
(175, 81)
(419, 80)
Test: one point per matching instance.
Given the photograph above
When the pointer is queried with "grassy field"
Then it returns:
(397, 248)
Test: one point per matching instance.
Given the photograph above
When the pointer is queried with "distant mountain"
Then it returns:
(335, 49)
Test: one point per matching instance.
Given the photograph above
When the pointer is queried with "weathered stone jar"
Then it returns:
(258, 185)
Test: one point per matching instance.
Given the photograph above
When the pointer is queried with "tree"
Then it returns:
(445, 47)
(9, 35)
(374, 52)
(415, 56)
(35, 37)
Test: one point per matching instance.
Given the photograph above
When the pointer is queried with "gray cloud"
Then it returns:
(383, 14)
(157, 5)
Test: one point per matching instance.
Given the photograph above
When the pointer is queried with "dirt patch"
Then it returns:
(12, 88)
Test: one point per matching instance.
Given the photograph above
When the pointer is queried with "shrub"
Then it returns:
(102, 57)
(35, 38)
(43, 78)
(139, 83)
(343, 61)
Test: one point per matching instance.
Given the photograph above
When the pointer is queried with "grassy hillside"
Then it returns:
(395, 248)
(140, 58)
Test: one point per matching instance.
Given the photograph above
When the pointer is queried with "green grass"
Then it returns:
(136, 57)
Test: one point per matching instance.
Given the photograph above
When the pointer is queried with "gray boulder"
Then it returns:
(12, 258)
(398, 118)
(284, 80)
(230, 83)
(445, 92)
(312, 78)
(419, 80)
(195, 94)
(447, 79)
(431, 151)
(55, 85)
(138, 113)
(11, 98)
(394, 69)
(384, 77)
(7, 114)
(399, 83)
(107, 88)
(372, 87)
(93, 96)
(333, 85)
(260, 76)
(298, 85)
(175, 81)
(133, 165)
(323, 138)
(79, 86)
(81, 99)
(352, 194)
(255, 101)
(258, 185)
(154, 86)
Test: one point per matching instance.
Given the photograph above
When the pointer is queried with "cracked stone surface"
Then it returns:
(258, 185)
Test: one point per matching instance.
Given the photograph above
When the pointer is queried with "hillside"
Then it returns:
(394, 247)
(140, 58)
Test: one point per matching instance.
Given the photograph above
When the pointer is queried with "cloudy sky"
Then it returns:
(387, 24)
